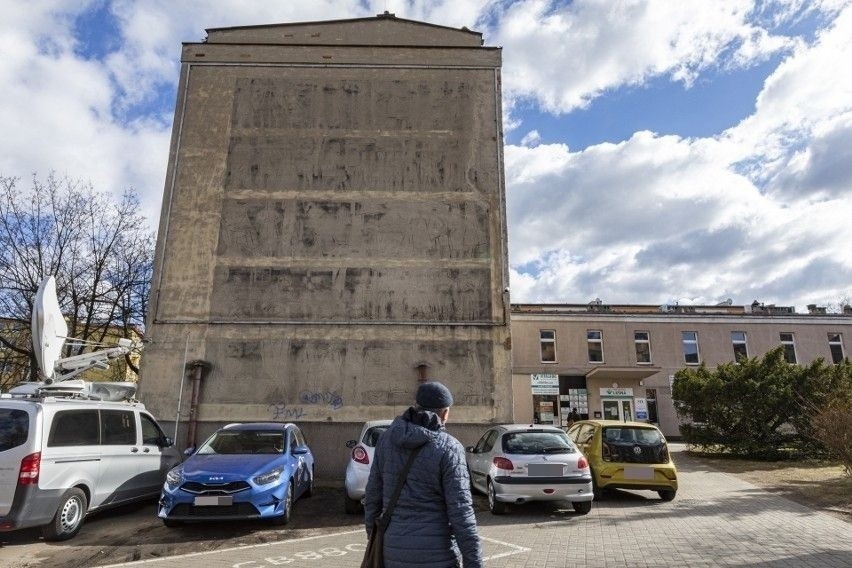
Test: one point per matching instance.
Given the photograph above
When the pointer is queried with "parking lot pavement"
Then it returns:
(342, 549)
(716, 520)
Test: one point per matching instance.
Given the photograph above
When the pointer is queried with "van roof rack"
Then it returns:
(76, 389)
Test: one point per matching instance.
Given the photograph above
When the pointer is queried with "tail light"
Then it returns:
(359, 454)
(582, 463)
(503, 463)
(30, 467)
(606, 452)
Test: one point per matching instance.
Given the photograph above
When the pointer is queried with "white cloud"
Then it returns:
(565, 55)
(531, 139)
(662, 217)
(759, 211)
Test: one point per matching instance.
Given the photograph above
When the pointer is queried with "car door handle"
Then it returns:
(134, 450)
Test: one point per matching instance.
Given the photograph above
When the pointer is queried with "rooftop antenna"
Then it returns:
(49, 333)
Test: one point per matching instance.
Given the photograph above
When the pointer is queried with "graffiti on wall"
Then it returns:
(283, 411)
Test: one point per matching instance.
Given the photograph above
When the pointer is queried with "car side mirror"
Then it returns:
(189, 451)
(299, 451)
(166, 442)
(351, 443)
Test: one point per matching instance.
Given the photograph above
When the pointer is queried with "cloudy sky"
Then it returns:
(656, 151)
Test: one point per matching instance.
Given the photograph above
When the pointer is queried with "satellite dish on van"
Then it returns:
(48, 327)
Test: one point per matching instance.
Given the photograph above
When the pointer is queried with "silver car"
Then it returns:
(517, 463)
(358, 468)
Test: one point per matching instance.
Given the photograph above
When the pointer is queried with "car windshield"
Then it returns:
(371, 436)
(632, 435)
(244, 442)
(537, 442)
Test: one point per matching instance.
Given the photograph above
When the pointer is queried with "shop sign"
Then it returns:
(544, 380)
(622, 392)
(546, 384)
(546, 406)
(641, 407)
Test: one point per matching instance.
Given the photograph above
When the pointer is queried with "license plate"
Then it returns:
(215, 501)
(638, 473)
(544, 470)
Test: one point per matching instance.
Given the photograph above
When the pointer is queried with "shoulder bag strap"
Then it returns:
(386, 515)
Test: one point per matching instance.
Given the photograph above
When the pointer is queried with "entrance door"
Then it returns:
(617, 409)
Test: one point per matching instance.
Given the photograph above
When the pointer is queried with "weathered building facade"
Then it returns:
(333, 229)
(618, 361)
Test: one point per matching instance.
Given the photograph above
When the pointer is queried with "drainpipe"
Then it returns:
(197, 370)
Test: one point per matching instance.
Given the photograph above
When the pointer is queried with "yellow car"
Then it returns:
(626, 455)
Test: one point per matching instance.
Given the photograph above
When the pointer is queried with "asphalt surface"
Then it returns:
(716, 520)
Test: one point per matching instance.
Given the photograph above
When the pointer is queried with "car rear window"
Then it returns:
(14, 428)
(371, 436)
(632, 435)
(537, 442)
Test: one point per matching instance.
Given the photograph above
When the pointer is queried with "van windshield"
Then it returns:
(14, 428)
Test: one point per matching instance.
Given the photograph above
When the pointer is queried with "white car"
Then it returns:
(517, 463)
(358, 468)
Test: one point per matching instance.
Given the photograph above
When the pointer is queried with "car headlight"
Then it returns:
(174, 477)
(269, 476)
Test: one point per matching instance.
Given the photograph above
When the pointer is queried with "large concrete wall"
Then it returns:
(332, 217)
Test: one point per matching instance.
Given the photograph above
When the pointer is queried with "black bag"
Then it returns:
(374, 555)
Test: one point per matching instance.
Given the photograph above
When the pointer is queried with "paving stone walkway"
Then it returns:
(716, 520)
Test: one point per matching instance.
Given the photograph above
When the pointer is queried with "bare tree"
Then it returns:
(100, 251)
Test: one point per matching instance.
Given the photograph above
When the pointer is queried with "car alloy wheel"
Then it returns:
(496, 507)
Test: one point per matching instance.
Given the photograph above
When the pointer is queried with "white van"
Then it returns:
(61, 458)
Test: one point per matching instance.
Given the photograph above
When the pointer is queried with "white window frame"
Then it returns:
(647, 341)
(743, 342)
(785, 343)
(684, 341)
(542, 341)
(599, 341)
(838, 342)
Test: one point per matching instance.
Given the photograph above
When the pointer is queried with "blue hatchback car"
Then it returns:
(243, 471)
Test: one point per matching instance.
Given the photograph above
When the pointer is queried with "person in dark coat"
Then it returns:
(433, 524)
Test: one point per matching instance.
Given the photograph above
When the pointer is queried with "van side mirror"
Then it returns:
(351, 443)
(189, 451)
(300, 450)
(166, 442)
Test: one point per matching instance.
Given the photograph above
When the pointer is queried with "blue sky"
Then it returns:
(656, 151)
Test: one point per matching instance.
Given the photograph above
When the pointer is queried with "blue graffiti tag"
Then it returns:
(331, 398)
(280, 411)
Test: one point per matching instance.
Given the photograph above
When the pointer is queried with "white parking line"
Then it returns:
(514, 549)
(518, 549)
(232, 549)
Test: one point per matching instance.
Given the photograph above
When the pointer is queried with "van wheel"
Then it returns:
(496, 507)
(666, 494)
(171, 523)
(582, 507)
(69, 516)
